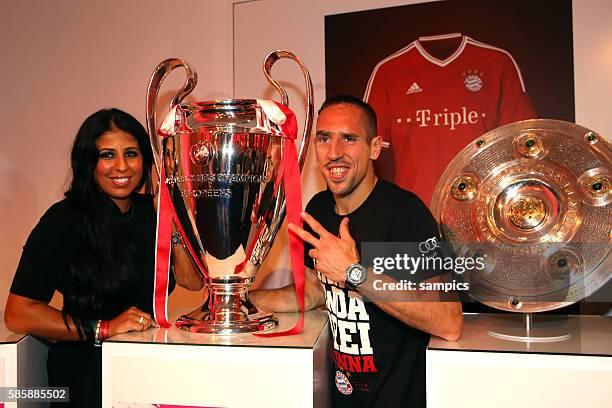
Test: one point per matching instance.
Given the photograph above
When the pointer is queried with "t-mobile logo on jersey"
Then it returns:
(452, 120)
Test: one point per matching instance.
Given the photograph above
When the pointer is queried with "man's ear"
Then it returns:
(375, 147)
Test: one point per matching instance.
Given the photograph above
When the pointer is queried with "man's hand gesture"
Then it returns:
(332, 254)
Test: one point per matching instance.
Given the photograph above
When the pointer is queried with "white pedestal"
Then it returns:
(482, 371)
(22, 363)
(174, 367)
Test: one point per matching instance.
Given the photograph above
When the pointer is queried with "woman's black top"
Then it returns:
(43, 269)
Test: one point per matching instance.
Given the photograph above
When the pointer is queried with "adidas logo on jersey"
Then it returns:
(414, 88)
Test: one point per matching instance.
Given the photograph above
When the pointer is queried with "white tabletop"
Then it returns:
(588, 335)
(7, 336)
(314, 323)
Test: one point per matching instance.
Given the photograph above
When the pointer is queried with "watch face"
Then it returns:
(356, 274)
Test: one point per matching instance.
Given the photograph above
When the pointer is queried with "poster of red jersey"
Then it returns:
(441, 74)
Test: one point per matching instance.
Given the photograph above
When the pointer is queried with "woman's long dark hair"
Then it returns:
(100, 268)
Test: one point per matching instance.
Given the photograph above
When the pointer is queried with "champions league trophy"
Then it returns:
(534, 200)
(221, 160)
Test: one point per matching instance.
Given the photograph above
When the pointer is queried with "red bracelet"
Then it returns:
(104, 330)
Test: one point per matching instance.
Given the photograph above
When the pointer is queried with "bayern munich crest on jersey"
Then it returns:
(473, 81)
(343, 384)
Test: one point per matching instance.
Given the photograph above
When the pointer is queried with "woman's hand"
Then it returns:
(133, 319)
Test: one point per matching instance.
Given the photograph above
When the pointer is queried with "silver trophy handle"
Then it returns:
(270, 59)
(158, 76)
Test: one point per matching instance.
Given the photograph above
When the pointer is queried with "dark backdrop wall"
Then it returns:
(538, 34)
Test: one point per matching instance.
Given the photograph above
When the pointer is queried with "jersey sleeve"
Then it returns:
(514, 103)
(377, 96)
(44, 254)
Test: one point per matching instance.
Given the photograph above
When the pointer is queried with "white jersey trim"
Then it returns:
(439, 37)
(434, 60)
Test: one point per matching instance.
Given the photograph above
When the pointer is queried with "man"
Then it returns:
(379, 346)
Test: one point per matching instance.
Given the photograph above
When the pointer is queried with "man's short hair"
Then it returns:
(357, 103)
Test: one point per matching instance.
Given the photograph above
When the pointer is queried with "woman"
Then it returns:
(97, 248)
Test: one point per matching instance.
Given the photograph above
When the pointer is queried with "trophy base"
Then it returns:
(227, 310)
(548, 329)
(204, 322)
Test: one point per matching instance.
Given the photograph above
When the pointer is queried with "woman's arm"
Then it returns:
(185, 271)
(25, 315)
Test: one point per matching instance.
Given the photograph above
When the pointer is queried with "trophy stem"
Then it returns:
(227, 310)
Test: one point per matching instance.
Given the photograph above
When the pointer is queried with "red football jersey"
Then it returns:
(429, 108)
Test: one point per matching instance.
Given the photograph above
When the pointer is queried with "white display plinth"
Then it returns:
(482, 371)
(174, 367)
(22, 363)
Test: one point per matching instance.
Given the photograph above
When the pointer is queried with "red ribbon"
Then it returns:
(289, 174)
(162, 257)
(165, 215)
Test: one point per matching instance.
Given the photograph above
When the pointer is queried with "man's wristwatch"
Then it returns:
(356, 274)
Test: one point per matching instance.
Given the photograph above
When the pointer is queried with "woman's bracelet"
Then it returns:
(97, 333)
(102, 331)
(177, 239)
(89, 330)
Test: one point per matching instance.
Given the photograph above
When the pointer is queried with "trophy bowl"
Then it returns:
(533, 199)
(221, 163)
